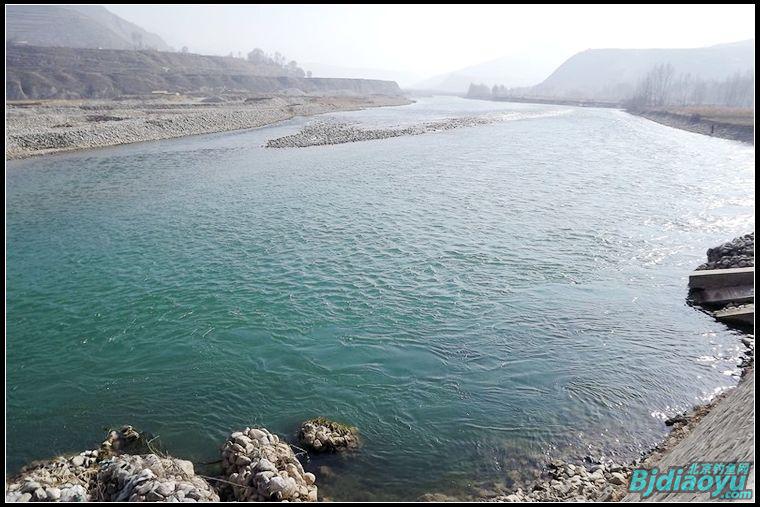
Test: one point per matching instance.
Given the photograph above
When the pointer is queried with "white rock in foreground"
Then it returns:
(264, 469)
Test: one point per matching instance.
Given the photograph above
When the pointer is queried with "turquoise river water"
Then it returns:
(474, 300)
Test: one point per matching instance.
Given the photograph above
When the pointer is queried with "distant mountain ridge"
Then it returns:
(613, 74)
(76, 26)
(595, 74)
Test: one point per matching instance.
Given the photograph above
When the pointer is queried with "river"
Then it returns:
(473, 300)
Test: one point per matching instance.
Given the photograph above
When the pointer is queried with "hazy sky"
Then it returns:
(424, 40)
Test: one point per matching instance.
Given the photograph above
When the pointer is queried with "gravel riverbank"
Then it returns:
(331, 132)
(700, 125)
(44, 127)
(322, 133)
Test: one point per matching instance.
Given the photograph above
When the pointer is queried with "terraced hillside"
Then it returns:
(71, 73)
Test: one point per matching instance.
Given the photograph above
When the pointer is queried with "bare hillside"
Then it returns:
(78, 26)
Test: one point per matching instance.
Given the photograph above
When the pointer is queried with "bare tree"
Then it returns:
(662, 78)
(257, 56)
(662, 87)
(294, 70)
(681, 89)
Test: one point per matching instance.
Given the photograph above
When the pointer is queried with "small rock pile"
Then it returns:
(748, 358)
(67, 478)
(149, 478)
(573, 482)
(118, 441)
(738, 253)
(323, 435)
(71, 478)
(264, 469)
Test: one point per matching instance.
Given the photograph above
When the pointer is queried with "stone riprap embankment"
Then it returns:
(262, 468)
(150, 478)
(332, 132)
(738, 253)
(323, 435)
(38, 128)
(69, 478)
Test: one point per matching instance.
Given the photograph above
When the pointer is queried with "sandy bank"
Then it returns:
(44, 127)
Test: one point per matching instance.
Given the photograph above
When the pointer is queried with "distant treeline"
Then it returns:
(663, 87)
(276, 62)
(660, 87)
(268, 65)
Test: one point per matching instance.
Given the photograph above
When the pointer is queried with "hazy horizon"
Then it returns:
(417, 42)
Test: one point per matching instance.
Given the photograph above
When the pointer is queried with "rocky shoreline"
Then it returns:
(45, 127)
(598, 480)
(737, 253)
(606, 481)
(256, 465)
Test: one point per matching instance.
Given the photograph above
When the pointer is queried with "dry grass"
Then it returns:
(728, 115)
